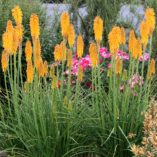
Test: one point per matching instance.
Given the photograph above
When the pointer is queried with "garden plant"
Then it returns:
(81, 105)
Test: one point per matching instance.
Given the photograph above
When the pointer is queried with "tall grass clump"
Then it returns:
(79, 105)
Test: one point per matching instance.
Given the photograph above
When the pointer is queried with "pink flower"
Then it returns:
(85, 62)
(104, 53)
(145, 57)
(122, 55)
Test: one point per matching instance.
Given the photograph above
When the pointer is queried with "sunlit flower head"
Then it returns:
(71, 35)
(4, 61)
(30, 72)
(150, 20)
(114, 39)
(80, 46)
(93, 54)
(28, 50)
(98, 28)
(65, 22)
(17, 14)
(34, 26)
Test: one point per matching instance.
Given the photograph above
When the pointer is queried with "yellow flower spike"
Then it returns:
(137, 50)
(45, 68)
(54, 82)
(80, 46)
(37, 53)
(57, 53)
(65, 22)
(123, 36)
(150, 20)
(132, 40)
(71, 35)
(63, 50)
(10, 32)
(144, 33)
(114, 38)
(28, 50)
(4, 61)
(69, 59)
(30, 72)
(17, 14)
(34, 26)
(118, 66)
(93, 54)
(41, 70)
(80, 74)
(9, 27)
(15, 40)
(7, 42)
(151, 70)
(98, 29)
(37, 48)
(20, 32)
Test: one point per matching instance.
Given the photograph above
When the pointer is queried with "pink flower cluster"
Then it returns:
(85, 62)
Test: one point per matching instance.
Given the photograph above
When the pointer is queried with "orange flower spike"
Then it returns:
(7, 42)
(80, 74)
(132, 40)
(30, 72)
(63, 50)
(4, 61)
(15, 40)
(123, 36)
(9, 27)
(41, 70)
(34, 26)
(65, 22)
(20, 32)
(37, 48)
(150, 20)
(80, 46)
(118, 66)
(71, 35)
(98, 29)
(57, 53)
(10, 32)
(134, 52)
(139, 48)
(45, 68)
(69, 59)
(93, 54)
(17, 14)
(28, 50)
(152, 67)
(144, 33)
(114, 38)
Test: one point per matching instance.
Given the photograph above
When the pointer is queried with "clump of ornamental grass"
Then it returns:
(52, 113)
(148, 148)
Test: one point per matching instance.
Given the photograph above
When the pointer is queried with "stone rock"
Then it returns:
(54, 11)
(131, 15)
